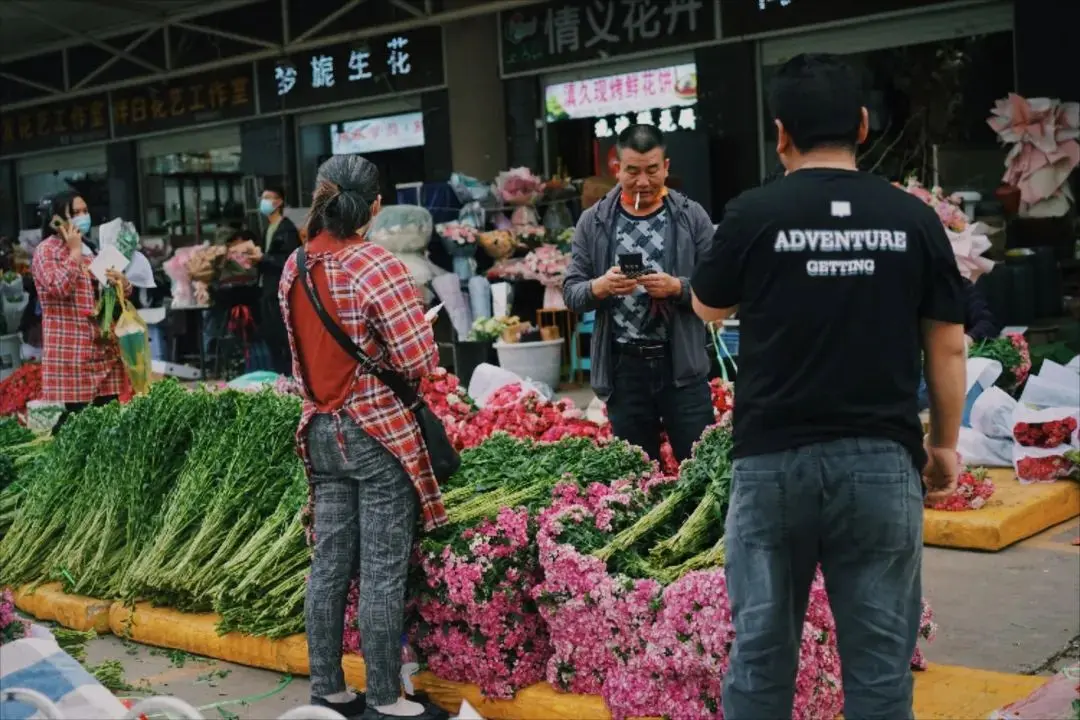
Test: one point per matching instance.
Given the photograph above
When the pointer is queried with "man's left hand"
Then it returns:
(661, 285)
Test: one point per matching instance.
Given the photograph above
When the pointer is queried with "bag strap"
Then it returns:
(398, 384)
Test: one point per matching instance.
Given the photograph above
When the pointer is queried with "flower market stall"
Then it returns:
(570, 558)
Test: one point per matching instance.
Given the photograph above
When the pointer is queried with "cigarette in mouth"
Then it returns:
(637, 200)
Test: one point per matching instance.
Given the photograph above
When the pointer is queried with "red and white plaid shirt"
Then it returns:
(379, 307)
(77, 363)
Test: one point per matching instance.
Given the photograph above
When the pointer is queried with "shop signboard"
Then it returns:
(225, 94)
(379, 134)
(754, 17)
(667, 120)
(55, 125)
(549, 35)
(382, 65)
(630, 92)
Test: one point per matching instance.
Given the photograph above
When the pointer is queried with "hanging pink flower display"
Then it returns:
(1043, 134)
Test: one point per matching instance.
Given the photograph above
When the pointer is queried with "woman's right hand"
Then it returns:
(72, 238)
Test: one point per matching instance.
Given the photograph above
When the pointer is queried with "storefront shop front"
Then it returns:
(932, 74)
(368, 97)
(598, 67)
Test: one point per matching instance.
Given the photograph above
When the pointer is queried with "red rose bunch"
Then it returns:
(1047, 434)
(19, 388)
(973, 489)
(1044, 469)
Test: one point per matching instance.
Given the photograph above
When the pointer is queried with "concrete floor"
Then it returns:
(1014, 611)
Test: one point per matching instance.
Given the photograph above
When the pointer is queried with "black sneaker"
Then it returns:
(431, 712)
(352, 710)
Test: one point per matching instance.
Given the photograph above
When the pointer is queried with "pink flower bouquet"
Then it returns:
(1043, 133)
(455, 233)
(518, 186)
(969, 240)
(548, 265)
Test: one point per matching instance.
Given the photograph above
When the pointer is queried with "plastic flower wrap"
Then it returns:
(402, 228)
(518, 186)
(969, 240)
(1043, 133)
(548, 265)
(457, 233)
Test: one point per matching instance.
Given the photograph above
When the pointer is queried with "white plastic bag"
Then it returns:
(992, 414)
(1050, 391)
(975, 448)
(1074, 365)
(486, 379)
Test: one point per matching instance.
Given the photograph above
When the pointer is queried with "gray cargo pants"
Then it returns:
(855, 507)
(365, 519)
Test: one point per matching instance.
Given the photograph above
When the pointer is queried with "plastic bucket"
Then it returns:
(540, 361)
(10, 354)
(470, 354)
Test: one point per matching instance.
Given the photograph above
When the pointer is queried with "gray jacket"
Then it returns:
(689, 233)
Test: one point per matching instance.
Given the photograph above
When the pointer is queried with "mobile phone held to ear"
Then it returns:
(632, 265)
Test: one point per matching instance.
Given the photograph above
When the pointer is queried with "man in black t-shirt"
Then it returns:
(840, 281)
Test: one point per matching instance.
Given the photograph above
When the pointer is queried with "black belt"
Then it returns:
(643, 350)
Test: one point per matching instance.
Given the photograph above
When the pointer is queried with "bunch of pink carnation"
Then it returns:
(443, 393)
(547, 264)
(477, 620)
(518, 186)
(12, 627)
(457, 233)
(1022, 370)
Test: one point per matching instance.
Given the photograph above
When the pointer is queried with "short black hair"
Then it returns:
(819, 100)
(640, 138)
(279, 191)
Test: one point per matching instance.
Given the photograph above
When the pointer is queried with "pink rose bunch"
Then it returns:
(443, 393)
(547, 264)
(457, 233)
(477, 620)
(523, 414)
(518, 186)
(12, 627)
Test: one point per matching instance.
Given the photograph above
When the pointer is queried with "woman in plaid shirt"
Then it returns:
(78, 366)
(369, 470)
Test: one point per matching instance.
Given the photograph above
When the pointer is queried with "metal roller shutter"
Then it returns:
(894, 31)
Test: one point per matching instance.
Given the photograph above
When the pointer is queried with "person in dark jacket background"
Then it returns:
(979, 324)
(979, 321)
(281, 239)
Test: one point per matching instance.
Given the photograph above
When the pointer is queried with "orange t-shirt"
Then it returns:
(328, 370)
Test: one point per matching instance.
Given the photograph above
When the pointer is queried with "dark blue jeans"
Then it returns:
(645, 402)
(855, 507)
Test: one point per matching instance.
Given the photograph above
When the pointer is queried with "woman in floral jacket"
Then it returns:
(79, 367)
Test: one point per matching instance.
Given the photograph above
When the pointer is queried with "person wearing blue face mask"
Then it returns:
(281, 239)
(79, 365)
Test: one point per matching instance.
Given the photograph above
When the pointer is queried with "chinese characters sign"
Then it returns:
(72, 122)
(377, 134)
(667, 120)
(353, 71)
(187, 101)
(620, 94)
(752, 17)
(554, 34)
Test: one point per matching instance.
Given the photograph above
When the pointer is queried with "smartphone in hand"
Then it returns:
(633, 265)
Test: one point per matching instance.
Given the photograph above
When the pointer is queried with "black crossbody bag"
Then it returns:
(444, 458)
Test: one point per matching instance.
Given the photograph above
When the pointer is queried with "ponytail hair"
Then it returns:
(346, 189)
